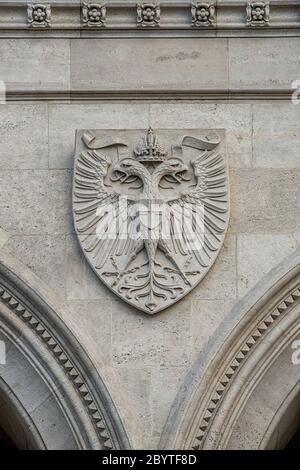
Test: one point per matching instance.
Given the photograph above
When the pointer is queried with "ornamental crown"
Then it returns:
(148, 150)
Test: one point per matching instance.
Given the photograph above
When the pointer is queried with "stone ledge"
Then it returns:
(14, 95)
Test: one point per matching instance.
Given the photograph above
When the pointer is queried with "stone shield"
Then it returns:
(150, 210)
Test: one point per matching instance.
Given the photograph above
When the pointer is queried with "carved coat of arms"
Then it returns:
(150, 210)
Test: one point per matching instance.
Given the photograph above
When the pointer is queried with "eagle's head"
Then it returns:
(129, 167)
(172, 167)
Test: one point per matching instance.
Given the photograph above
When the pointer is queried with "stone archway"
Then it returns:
(52, 396)
(244, 390)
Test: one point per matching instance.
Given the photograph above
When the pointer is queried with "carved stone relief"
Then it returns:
(148, 14)
(39, 15)
(150, 210)
(203, 14)
(94, 14)
(258, 13)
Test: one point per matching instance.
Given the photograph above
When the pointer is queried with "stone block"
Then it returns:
(263, 63)
(258, 254)
(30, 64)
(45, 255)
(235, 119)
(35, 202)
(276, 140)
(150, 64)
(4, 236)
(220, 282)
(207, 315)
(265, 201)
(81, 281)
(65, 119)
(136, 404)
(23, 136)
(140, 341)
(169, 380)
(91, 322)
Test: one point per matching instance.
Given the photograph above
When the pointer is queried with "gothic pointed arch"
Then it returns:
(243, 391)
(52, 395)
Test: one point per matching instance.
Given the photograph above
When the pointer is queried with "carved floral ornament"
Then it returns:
(150, 217)
(203, 14)
(39, 15)
(94, 14)
(258, 13)
(148, 14)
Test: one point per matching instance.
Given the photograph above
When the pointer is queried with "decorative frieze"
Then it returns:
(258, 13)
(160, 19)
(203, 14)
(93, 15)
(148, 14)
(39, 15)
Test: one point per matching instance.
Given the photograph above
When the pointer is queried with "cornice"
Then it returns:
(174, 19)
(86, 96)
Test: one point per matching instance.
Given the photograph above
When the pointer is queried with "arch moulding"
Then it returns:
(243, 391)
(53, 395)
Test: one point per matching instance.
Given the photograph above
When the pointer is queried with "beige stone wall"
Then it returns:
(143, 360)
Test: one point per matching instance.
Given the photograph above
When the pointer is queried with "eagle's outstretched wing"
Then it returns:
(100, 213)
(198, 218)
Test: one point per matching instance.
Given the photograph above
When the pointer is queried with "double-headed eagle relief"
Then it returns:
(150, 210)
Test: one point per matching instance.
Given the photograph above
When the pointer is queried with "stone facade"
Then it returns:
(75, 76)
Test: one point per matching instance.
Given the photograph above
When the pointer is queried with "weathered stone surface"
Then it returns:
(258, 254)
(35, 202)
(168, 379)
(138, 341)
(136, 386)
(44, 255)
(207, 315)
(276, 140)
(65, 119)
(91, 323)
(220, 282)
(23, 136)
(263, 62)
(236, 119)
(4, 236)
(152, 64)
(265, 201)
(81, 282)
(35, 65)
